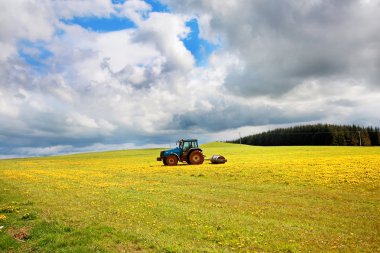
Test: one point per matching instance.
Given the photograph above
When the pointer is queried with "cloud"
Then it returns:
(281, 44)
(136, 10)
(23, 20)
(165, 32)
(70, 9)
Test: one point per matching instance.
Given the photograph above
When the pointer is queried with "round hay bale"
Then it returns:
(218, 159)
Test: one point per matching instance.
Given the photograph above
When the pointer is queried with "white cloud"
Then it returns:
(77, 119)
(164, 31)
(136, 10)
(73, 8)
(27, 20)
(6, 108)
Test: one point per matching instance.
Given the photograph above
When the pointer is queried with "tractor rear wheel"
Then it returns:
(196, 157)
(171, 160)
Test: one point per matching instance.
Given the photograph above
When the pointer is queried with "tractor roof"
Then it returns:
(189, 140)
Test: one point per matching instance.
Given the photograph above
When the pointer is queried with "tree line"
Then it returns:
(317, 134)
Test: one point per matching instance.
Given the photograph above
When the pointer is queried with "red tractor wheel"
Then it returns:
(196, 157)
(171, 160)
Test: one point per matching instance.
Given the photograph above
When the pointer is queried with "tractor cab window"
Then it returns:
(186, 146)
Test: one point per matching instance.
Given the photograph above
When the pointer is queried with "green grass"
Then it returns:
(264, 199)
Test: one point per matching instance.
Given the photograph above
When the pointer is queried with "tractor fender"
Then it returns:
(193, 149)
(173, 154)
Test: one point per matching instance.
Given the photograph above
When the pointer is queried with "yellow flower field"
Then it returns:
(264, 199)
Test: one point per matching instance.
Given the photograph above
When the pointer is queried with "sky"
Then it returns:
(80, 76)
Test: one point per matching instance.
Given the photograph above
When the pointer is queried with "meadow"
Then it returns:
(264, 199)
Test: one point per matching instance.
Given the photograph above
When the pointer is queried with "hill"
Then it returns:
(319, 134)
(264, 199)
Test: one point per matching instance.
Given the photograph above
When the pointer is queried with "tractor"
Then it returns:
(187, 151)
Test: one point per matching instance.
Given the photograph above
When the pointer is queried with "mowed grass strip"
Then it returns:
(264, 199)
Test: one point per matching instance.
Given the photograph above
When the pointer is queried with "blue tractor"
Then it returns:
(187, 151)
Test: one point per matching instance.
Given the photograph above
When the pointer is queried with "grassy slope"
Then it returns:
(284, 199)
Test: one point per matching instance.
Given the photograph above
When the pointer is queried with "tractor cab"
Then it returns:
(187, 151)
(186, 145)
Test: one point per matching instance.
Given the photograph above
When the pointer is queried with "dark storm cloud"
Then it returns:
(235, 116)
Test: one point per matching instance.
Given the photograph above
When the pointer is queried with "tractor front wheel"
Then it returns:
(171, 160)
(196, 157)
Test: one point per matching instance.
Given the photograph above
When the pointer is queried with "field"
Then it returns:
(264, 199)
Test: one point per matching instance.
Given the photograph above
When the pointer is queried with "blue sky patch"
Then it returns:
(35, 54)
(200, 48)
(102, 24)
(118, 1)
(113, 22)
(157, 6)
